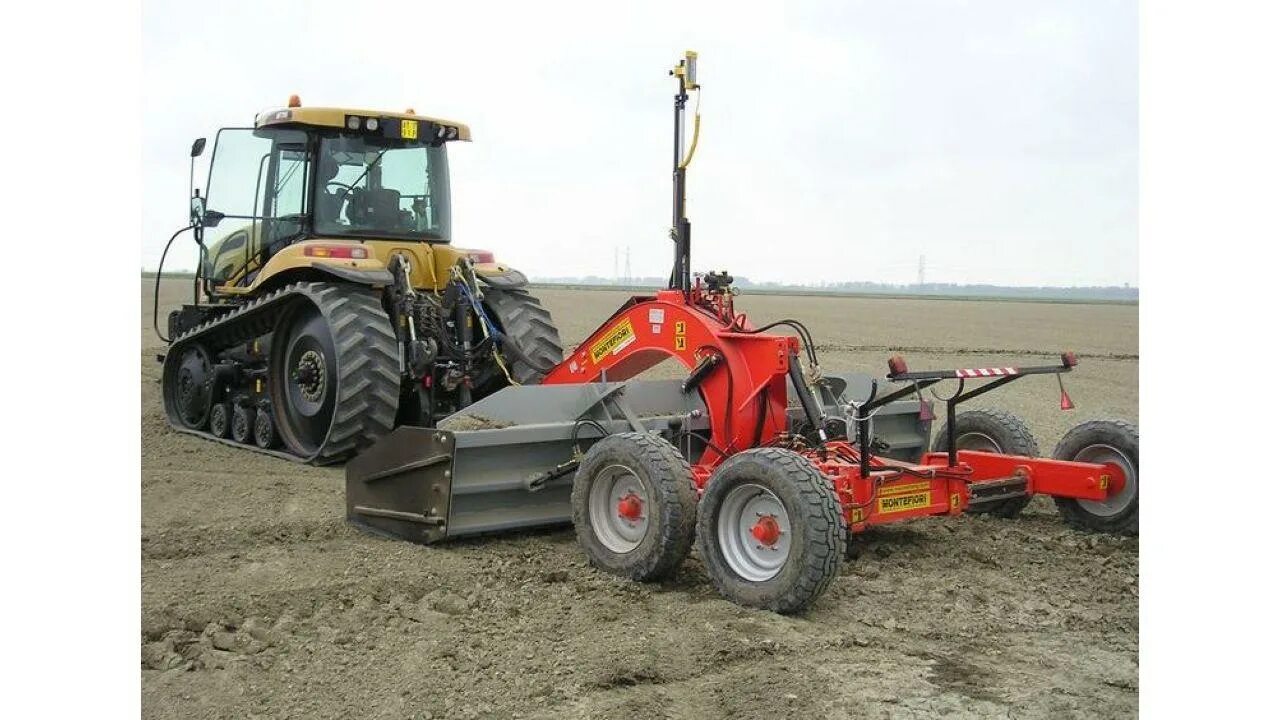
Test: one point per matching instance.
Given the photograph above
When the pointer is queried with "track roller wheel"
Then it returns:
(264, 431)
(770, 530)
(242, 419)
(634, 506)
(220, 420)
(192, 387)
(1103, 441)
(993, 431)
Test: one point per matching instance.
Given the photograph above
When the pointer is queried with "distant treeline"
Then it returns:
(1105, 294)
(1077, 294)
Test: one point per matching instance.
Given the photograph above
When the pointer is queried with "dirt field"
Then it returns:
(259, 601)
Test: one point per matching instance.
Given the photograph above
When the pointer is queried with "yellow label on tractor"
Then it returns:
(903, 503)
(681, 342)
(618, 337)
(409, 129)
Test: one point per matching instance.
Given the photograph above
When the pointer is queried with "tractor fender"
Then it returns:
(375, 277)
(500, 276)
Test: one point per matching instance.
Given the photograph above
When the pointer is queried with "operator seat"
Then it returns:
(375, 208)
(328, 203)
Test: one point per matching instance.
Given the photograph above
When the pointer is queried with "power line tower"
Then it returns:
(628, 266)
(920, 273)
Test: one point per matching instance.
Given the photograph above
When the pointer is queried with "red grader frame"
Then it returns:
(769, 465)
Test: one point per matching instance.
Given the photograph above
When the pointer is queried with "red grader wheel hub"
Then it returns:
(766, 530)
(630, 507)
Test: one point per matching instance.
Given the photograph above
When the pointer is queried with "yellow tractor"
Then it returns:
(329, 305)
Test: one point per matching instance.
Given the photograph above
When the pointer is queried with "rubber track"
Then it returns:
(368, 361)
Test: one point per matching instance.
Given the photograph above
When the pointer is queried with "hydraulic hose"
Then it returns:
(155, 297)
(812, 412)
(697, 127)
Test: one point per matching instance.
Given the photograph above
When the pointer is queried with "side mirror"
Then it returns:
(197, 147)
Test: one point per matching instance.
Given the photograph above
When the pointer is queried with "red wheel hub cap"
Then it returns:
(766, 530)
(630, 507)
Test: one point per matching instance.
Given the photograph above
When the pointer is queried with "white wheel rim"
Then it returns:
(1116, 504)
(618, 508)
(981, 442)
(743, 512)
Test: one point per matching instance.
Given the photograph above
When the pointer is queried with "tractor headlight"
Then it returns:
(371, 124)
(451, 133)
(353, 122)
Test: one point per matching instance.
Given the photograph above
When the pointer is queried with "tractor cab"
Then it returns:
(307, 172)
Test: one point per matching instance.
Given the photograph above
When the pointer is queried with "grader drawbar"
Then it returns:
(768, 465)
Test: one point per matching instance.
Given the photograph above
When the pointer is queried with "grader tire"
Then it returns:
(770, 494)
(1103, 441)
(992, 431)
(634, 506)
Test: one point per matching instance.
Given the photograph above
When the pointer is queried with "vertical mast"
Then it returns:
(686, 77)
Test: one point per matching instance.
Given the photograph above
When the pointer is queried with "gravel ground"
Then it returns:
(258, 601)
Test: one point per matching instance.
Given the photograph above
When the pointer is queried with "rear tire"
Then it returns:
(1103, 441)
(634, 506)
(992, 431)
(765, 501)
(532, 345)
(334, 374)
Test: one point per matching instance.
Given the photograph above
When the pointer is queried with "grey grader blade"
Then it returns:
(476, 473)
(506, 462)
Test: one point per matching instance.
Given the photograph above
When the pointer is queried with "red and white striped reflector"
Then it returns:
(986, 372)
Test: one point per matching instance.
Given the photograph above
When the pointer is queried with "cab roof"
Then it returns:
(337, 118)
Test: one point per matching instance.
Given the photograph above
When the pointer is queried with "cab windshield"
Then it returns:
(366, 187)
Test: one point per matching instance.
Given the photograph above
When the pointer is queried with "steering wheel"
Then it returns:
(344, 186)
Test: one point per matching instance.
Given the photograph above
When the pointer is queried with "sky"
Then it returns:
(841, 141)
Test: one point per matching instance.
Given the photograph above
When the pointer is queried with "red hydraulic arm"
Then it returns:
(742, 375)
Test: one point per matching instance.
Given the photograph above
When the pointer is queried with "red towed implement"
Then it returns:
(770, 465)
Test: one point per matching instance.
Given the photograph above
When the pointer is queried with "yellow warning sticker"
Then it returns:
(679, 327)
(613, 342)
(409, 129)
(680, 342)
(904, 488)
(902, 503)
